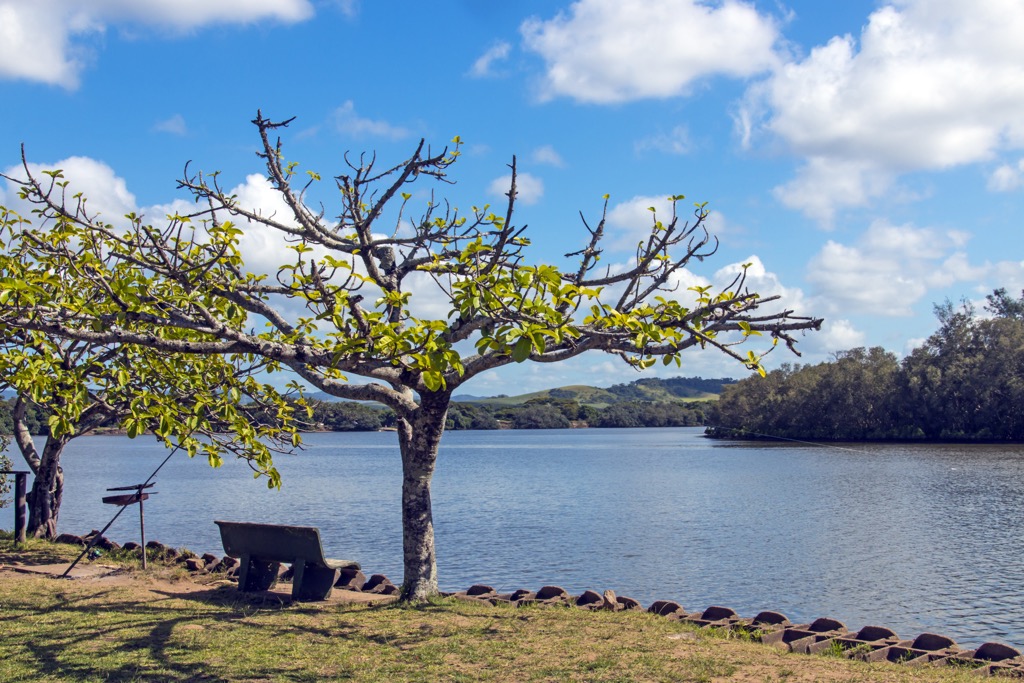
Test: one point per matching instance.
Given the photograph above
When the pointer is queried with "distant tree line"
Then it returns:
(560, 413)
(966, 382)
(631, 405)
(537, 413)
(36, 418)
(680, 387)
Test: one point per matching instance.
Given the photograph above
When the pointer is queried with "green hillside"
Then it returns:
(647, 389)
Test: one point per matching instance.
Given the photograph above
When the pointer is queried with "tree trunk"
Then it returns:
(47, 490)
(419, 437)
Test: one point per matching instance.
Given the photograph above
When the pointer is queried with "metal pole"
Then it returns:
(20, 506)
(142, 528)
(92, 542)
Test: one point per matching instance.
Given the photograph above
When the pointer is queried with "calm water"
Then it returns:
(916, 538)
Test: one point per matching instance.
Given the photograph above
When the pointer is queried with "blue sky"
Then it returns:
(868, 157)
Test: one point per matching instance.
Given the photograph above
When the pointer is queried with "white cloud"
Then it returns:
(32, 48)
(482, 67)
(191, 14)
(676, 141)
(529, 188)
(1009, 274)
(824, 185)
(264, 249)
(429, 300)
(631, 221)
(758, 280)
(618, 50)
(929, 85)
(718, 225)
(106, 193)
(1007, 177)
(765, 283)
(889, 269)
(350, 8)
(43, 41)
(174, 125)
(835, 335)
(348, 122)
(546, 154)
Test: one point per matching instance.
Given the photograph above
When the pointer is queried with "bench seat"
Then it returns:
(261, 548)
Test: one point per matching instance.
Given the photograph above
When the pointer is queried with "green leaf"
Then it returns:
(521, 351)
(433, 380)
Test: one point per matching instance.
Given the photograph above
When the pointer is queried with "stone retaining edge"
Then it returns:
(823, 636)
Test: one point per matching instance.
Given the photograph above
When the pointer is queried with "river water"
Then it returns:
(912, 537)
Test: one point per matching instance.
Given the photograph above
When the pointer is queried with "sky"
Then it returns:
(866, 157)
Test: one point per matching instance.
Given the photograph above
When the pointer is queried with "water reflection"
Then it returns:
(916, 538)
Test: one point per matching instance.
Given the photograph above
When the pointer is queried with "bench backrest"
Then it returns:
(271, 542)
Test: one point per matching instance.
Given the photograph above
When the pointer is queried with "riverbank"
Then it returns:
(163, 624)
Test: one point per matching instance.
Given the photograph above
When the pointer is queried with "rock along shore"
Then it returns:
(822, 636)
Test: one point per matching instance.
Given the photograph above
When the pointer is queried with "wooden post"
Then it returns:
(20, 506)
(20, 503)
(142, 528)
(130, 499)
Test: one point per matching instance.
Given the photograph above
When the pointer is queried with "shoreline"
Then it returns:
(822, 636)
(810, 441)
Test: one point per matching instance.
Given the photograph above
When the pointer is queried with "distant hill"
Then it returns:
(647, 389)
(327, 398)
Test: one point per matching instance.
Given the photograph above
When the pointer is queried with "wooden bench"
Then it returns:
(261, 548)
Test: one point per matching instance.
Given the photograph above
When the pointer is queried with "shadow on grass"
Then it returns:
(211, 633)
(35, 551)
(118, 640)
(359, 622)
(107, 636)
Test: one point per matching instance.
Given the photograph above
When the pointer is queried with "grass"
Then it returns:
(162, 626)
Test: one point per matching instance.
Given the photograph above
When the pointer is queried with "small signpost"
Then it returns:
(20, 506)
(124, 500)
(127, 499)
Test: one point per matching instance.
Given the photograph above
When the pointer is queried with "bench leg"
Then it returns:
(256, 575)
(311, 582)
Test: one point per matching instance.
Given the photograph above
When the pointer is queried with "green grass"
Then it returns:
(161, 626)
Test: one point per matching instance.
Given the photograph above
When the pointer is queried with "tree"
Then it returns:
(347, 417)
(470, 416)
(25, 369)
(852, 397)
(967, 380)
(82, 385)
(1002, 305)
(36, 418)
(539, 416)
(651, 414)
(182, 288)
(5, 464)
